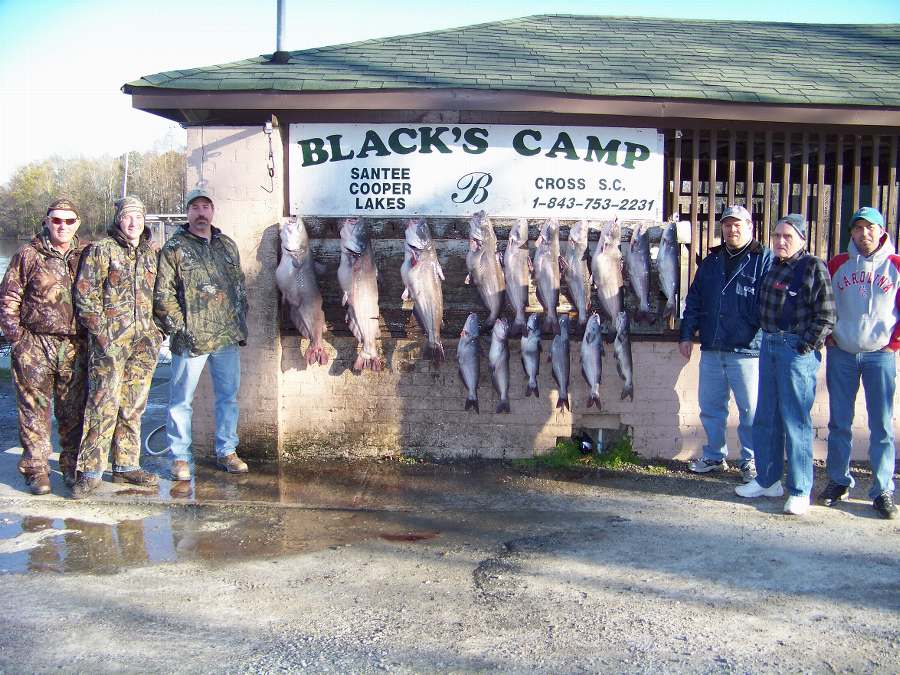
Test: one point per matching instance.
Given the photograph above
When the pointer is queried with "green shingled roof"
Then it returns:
(815, 64)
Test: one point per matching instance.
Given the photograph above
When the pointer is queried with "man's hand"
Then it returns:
(686, 348)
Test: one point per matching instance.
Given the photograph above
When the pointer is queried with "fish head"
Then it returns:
(501, 329)
(470, 329)
(592, 330)
(638, 235)
(354, 237)
(578, 233)
(549, 231)
(534, 324)
(669, 233)
(418, 236)
(622, 324)
(478, 223)
(293, 235)
(610, 234)
(564, 324)
(518, 233)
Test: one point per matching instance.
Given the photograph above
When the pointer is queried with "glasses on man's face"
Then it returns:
(60, 221)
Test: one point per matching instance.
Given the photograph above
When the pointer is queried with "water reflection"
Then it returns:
(195, 533)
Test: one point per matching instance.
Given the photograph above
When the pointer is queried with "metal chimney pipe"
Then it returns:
(280, 56)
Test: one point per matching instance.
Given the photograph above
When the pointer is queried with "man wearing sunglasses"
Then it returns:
(49, 350)
(114, 302)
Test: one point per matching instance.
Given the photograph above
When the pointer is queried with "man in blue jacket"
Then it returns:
(722, 305)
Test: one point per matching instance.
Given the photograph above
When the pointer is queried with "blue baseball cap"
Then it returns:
(869, 214)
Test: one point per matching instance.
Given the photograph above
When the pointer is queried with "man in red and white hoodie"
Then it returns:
(866, 337)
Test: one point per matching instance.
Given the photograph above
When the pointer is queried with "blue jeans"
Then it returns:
(225, 369)
(721, 372)
(783, 425)
(878, 371)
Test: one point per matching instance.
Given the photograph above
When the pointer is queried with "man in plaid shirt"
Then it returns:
(797, 313)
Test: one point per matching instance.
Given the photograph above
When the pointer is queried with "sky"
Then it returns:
(63, 62)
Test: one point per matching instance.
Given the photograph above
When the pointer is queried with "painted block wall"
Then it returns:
(289, 409)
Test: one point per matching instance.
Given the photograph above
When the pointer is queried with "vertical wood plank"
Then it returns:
(711, 215)
(892, 185)
(676, 178)
(876, 160)
(804, 176)
(695, 201)
(857, 169)
(749, 183)
(732, 160)
(767, 191)
(821, 226)
(838, 196)
(786, 177)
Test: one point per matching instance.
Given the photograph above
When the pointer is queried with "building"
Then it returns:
(781, 117)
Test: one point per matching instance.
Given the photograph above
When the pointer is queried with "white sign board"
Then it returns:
(454, 170)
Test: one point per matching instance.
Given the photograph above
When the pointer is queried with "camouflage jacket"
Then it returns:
(200, 297)
(114, 291)
(36, 293)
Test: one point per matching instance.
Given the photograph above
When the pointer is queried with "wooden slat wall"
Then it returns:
(814, 166)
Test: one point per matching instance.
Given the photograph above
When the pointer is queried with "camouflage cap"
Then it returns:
(63, 204)
(796, 221)
(196, 193)
(128, 204)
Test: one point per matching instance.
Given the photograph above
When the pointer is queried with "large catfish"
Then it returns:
(358, 278)
(468, 353)
(422, 276)
(576, 272)
(559, 361)
(531, 354)
(517, 269)
(591, 359)
(606, 268)
(622, 350)
(669, 266)
(637, 263)
(498, 358)
(483, 264)
(296, 279)
(546, 272)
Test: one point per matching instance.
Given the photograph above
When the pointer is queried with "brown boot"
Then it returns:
(180, 470)
(84, 487)
(232, 463)
(136, 477)
(39, 483)
(69, 469)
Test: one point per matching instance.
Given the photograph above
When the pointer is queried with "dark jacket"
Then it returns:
(36, 293)
(725, 311)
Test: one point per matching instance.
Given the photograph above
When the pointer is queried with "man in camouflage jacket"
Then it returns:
(201, 302)
(49, 353)
(114, 302)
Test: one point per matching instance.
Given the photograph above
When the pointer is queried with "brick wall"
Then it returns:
(291, 409)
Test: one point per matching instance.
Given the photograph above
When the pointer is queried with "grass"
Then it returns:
(567, 455)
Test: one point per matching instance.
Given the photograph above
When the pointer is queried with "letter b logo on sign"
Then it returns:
(474, 186)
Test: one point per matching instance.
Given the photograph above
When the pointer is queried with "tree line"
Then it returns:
(157, 178)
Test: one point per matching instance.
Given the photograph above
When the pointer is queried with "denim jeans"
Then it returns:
(878, 371)
(721, 372)
(783, 425)
(225, 369)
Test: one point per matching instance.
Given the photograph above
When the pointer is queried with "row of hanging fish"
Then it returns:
(468, 354)
(496, 277)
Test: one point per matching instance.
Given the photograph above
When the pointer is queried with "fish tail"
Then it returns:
(532, 388)
(551, 325)
(594, 400)
(472, 403)
(627, 392)
(517, 329)
(563, 403)
(503, 406)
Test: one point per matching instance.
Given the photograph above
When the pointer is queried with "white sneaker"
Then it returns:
(797, 505)
(753, 489)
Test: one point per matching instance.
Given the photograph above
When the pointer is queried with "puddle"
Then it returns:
(191, 533)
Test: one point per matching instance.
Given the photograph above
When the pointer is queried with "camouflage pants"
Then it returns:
(119, 378)
(49, 369)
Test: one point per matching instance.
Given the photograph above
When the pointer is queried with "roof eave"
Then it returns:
(177, 104)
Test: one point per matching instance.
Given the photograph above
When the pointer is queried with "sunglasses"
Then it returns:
(60, 221)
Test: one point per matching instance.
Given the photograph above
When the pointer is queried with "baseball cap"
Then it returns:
(62, 204)
(196, 193)
(796, 221)
(869, 214)
(736, 211)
